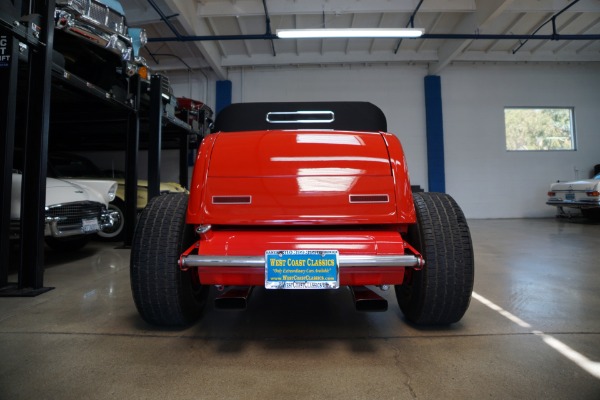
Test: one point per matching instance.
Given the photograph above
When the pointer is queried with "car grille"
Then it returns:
(103, 15)
(72, 213)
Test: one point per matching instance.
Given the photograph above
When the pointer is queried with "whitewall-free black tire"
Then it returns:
(163, 294)
(440, 293)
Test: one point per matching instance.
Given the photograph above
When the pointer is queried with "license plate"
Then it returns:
(301, 269)
(570, 196)
(90, 225)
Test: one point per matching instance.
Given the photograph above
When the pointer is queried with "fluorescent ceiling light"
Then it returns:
(350, 33)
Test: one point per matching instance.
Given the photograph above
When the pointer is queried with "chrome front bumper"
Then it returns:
(52, 228)
(86, 30)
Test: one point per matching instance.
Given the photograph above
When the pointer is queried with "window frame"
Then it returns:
(572, 128)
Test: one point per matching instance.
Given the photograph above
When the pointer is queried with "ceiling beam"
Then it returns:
(586, 45)
(296, 42)
(585, 29)
(475, 22)
(431, 28)
(287, 7)
(138, 14)
(552, 6)
(199, 21)
(347, 47)
(405, 57)
(197, 27)
(243, 31)
(560, 26)
(211, 26)
(379, 25)
(527, 57)
(317, 58)
(508, 30)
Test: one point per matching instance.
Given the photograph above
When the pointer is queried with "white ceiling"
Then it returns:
(207, 18)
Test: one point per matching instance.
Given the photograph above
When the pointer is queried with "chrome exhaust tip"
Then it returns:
(235, 298)
(367, 300)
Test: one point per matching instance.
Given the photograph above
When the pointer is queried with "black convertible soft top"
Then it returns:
(336, 115)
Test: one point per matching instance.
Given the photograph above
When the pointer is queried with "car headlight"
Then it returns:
(143, 38)
(112, 192)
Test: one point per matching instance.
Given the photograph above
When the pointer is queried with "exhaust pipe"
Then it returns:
(235, 298)
(367, 300)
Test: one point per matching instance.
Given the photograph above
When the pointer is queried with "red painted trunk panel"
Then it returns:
(300, 178)
(300, 200)
(299, 153)
(254, 242)
(244, 276)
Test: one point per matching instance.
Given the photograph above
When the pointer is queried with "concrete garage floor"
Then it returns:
(532, 332)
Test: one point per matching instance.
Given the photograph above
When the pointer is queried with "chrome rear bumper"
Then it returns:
(574, 203)
(345, 261)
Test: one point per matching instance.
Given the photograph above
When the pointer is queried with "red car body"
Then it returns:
(301, 196)
(299, 190)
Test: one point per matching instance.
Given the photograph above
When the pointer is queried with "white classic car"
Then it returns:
(68, 166)
(582, 194)
(74, 210)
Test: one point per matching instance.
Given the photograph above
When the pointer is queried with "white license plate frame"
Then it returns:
(302, 269)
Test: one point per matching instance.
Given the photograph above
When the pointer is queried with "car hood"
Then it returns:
(63, 191)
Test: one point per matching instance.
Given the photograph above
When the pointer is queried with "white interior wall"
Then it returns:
(485, 179)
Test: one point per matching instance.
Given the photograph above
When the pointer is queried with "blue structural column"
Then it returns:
(223, 95)
(435, 134)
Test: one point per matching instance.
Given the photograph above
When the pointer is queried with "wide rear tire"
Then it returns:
(163, 294)
(440, 293)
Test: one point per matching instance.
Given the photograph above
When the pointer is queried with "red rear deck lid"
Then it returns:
(279, 153)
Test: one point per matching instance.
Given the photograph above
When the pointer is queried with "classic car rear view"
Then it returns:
(304, 196)
(583, 194)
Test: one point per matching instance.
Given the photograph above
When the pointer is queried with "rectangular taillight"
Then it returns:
(232, 199)
(369, 198)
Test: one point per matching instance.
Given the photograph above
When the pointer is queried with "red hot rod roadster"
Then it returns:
(302, 196)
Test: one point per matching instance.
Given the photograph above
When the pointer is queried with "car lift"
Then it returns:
(38, 35)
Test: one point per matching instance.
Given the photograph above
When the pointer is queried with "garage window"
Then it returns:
(539, 129)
